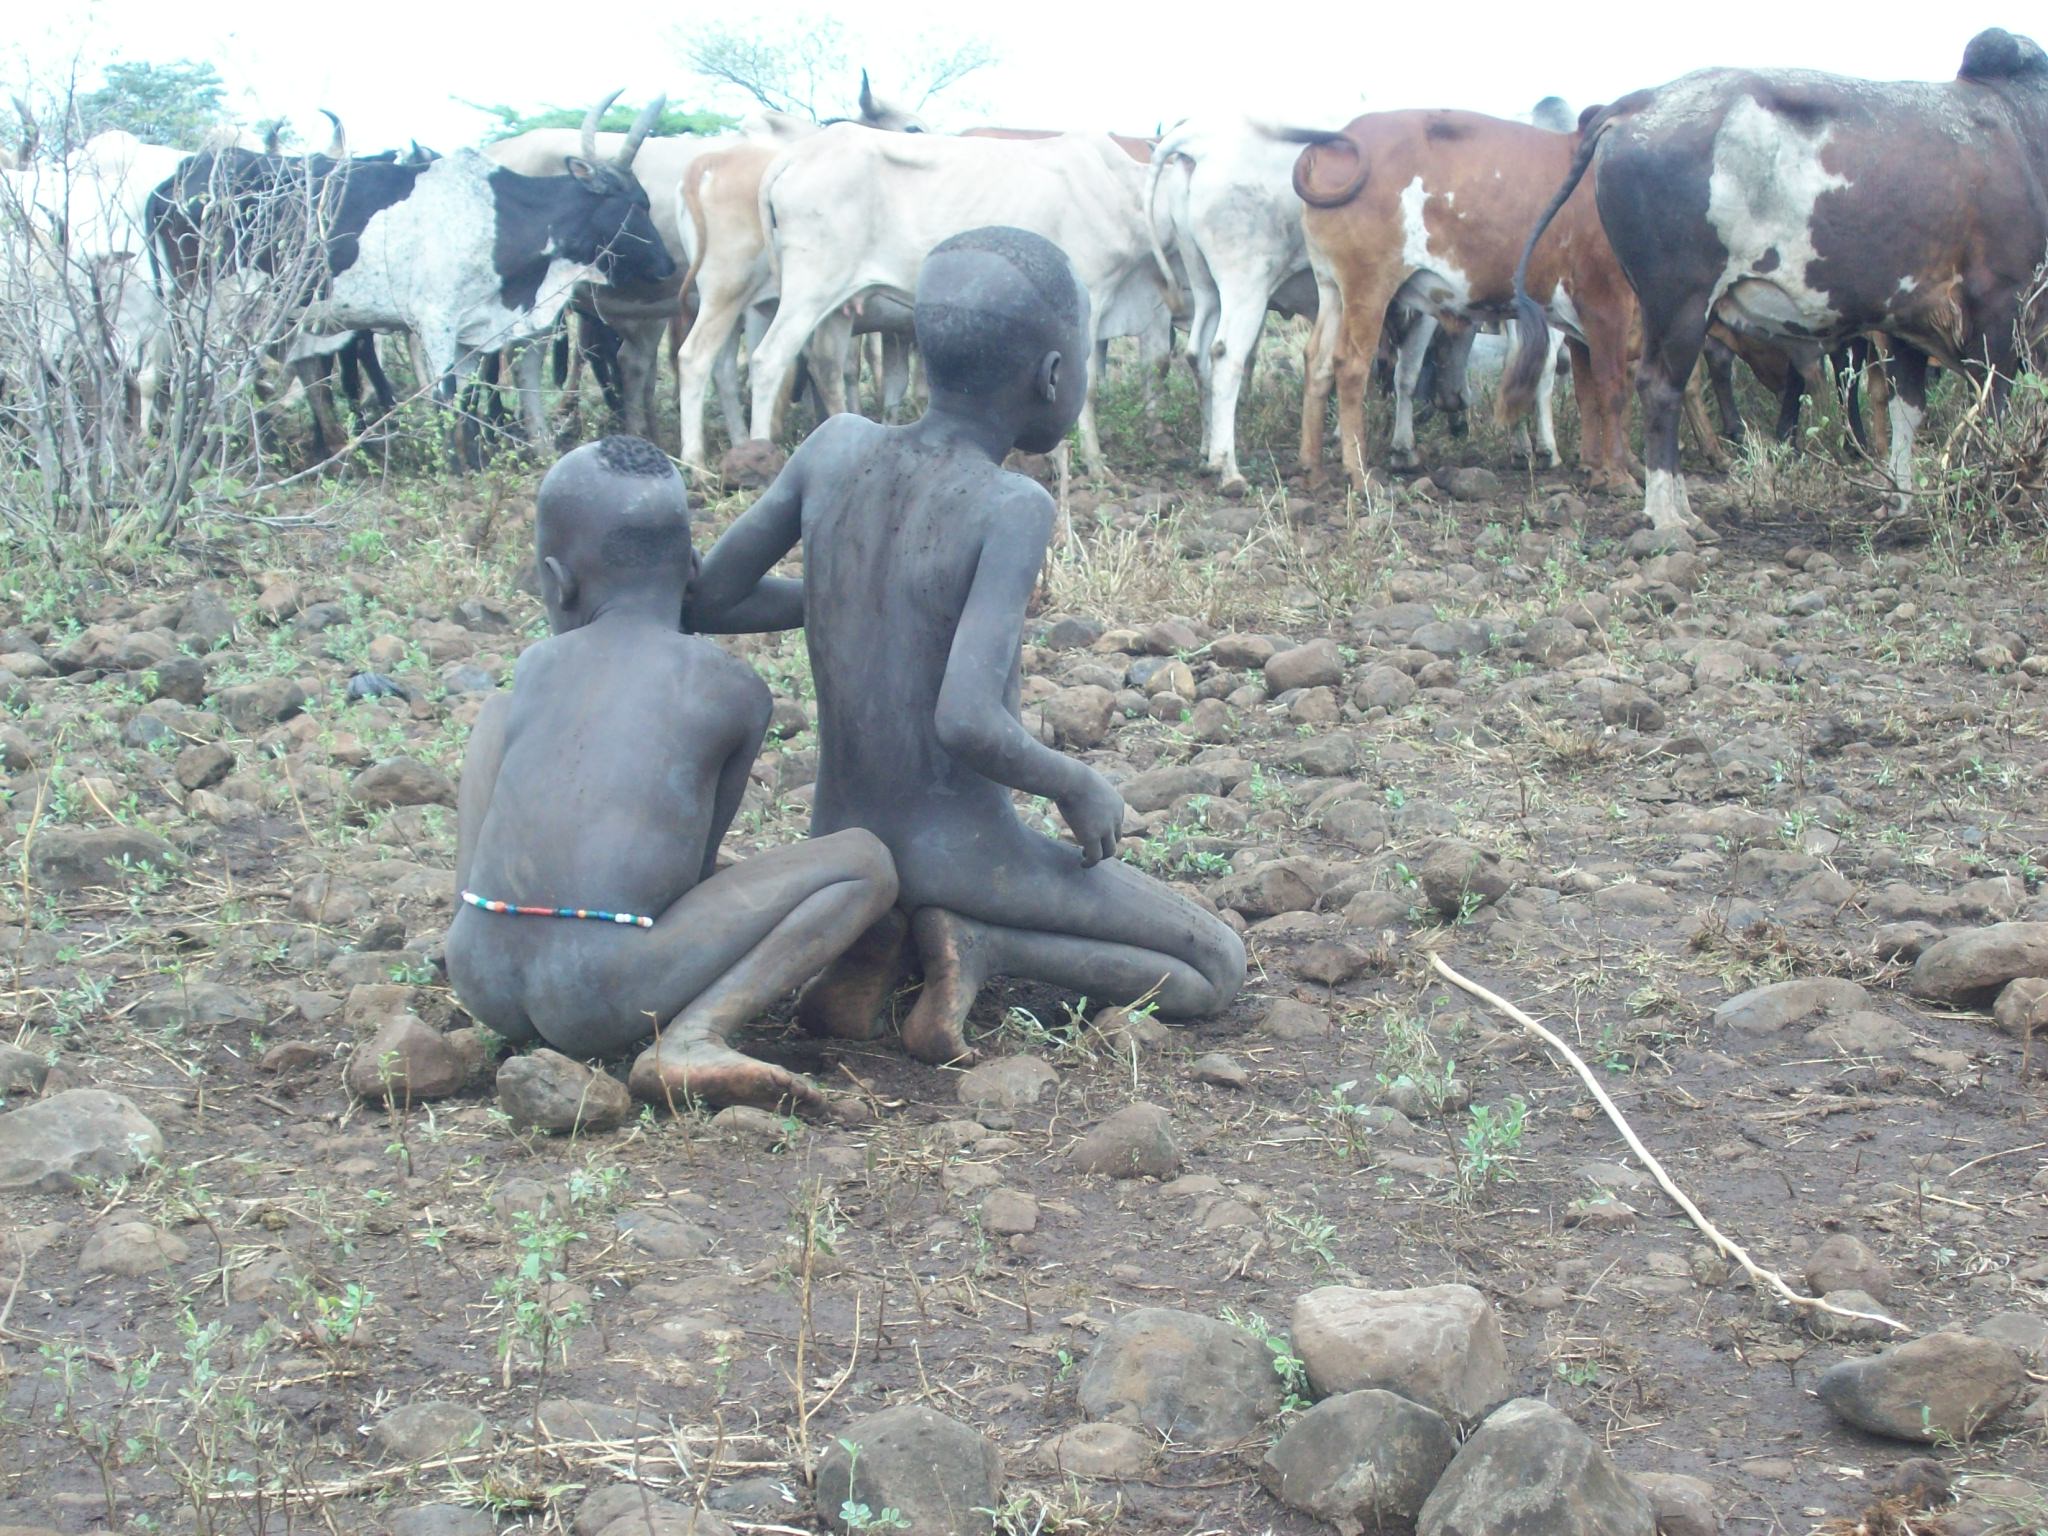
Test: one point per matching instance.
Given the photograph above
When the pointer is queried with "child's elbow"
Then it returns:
(964, 732)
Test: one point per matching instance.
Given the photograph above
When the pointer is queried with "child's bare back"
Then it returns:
(920, 555)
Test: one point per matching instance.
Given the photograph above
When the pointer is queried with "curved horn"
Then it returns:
(590, 126)
(337, 141)
(273, 138)
(637, 134)
(868, 109)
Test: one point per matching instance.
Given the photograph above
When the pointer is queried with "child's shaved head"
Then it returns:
(991, 303)
(617, 504)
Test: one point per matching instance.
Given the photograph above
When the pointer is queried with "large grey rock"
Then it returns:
(1135, 1142)
(1945, 1386)
(1009, 1082)
(941, 1477)
(1360, 1460)
(2022, 1007)
(1972, 967)
(78, 1134)
(1763, 1010)
(1199, 1381)
(249, 707)
(1158, 788)
(1438, 1345)
(544, 1090)
(1080, 716)
(1268, 889)
(74, 858)
(1530, 1471)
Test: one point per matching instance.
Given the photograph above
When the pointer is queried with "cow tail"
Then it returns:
(1333, 197)
(694, 236)
(559, 349)
(1524, 371)
(1163, 151)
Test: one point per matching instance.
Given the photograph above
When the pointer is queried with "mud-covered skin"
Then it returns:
(606, 778)
(920, 552)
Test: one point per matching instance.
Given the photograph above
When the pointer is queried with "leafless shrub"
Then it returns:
(130, 391)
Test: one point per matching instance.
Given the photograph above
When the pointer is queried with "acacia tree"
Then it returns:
(175, 103)
(675, 120)
(813, 70)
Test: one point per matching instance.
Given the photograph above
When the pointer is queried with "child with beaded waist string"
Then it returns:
(595, 794)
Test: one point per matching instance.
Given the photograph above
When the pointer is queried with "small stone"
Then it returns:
(81, 1133)
(1944, 1386)
(1290, 1019)
(195, 1005)
(1470, 482)
(1100, 1451)
(1974, 966)
(1314, 665)
(751, 465)
(1437, 1345)
(1763, 1010)
(1531, 1471)
(547, 1091)
(22, 1073)
(2022, 1332)
(1383, 687)
(1680, 1505)
(131, 1248)
(747, 1124)
(406, 1061)
(1832, 1325)
(1360, 1460)
(249, 707)
(77, 858)
(202, 765)
(1080, 716)
(1220, 1071)
(1624, 704)
(1197, 1381)
(1135, 1142)
(1843, 1262)
(441, 1520)
(1008, 1212)
(662, 1234)
(1269, 889)
(1457, 878)
(1007, 1083)
(2022, 1007)
(421, 1431)
(401, 781)
(939, 1476)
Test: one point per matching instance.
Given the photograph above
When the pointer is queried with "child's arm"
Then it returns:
(480, 764)
(974, 722)
(751, 708)
(733, 592)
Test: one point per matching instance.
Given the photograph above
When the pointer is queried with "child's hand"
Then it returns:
(1094, 812)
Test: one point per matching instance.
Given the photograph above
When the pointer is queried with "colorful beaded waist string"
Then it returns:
(587, 914)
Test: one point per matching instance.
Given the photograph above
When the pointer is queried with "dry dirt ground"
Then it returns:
(1700, 772)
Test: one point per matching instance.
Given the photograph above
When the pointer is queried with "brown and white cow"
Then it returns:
(1813, 206)
(1427, 207)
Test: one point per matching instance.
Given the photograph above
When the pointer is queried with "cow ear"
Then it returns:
(581, 169)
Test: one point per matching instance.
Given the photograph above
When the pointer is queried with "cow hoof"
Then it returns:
(1404, 459)
(1612, 482)
(750, 465)
(1232, 487)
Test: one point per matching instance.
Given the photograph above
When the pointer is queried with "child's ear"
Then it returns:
(563, 579)
(1048, 381)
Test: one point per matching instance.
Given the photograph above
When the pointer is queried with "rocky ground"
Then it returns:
(1756, 827)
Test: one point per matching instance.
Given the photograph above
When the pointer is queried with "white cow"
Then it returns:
(83, 244)
(1224, 192)
(852, 211)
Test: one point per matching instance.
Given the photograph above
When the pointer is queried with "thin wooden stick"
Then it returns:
(1727, 1245)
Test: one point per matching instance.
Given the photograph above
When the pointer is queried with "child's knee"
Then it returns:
(1222, 964)
(864, 857)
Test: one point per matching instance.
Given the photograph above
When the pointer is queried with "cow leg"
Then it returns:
(1720, 360)
(1702, 429)
(1318, 374)
(895, 374)
(1546, 406)
(639, 365)
(711, 349)
(528, 364)
(1609, 320)
(1365, 313)
(827, 356)
(799, 314)
(1907, 408)
(1452, 387)
(1236, 320)
(1091, 440)
(1672, 342)
(1791, 398)
(328, 436)
(1407, 373)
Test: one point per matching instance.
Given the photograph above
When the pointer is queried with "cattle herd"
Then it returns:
(1786, 217)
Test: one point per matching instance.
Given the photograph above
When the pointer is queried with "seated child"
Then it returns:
(920, 552)
(599, 786)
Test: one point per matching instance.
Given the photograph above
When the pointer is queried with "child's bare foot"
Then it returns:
(954, 969)
(683, 1068)
(846, 1001)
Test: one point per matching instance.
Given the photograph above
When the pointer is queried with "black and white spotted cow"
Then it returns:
(464, 254)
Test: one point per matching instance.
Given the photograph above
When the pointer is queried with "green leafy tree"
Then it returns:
(813, 69)
(674, 120)
(175, 103)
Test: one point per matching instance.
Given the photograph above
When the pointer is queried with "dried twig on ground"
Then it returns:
(1727, 1245)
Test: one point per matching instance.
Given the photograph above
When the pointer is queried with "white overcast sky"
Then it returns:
(394, 68)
